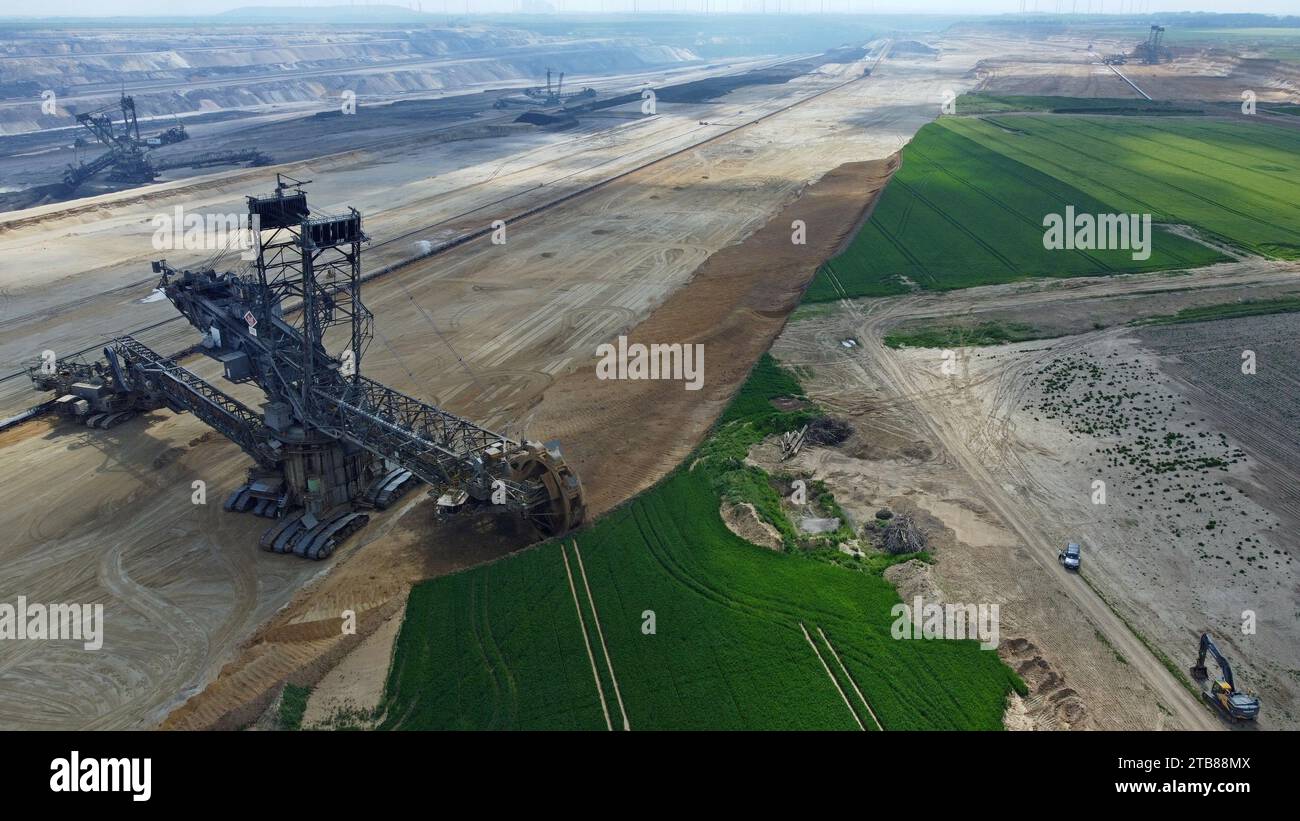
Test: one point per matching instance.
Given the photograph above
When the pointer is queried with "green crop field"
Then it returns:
(1237, 182)
(967, 206)
(968, 104)
(502, 646)
(961, 212)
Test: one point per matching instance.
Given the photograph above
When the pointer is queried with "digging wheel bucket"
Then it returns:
(564, 507)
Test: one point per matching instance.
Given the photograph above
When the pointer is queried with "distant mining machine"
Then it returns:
(1153, 49)
(127, 158)
(330, 443)
(554, 94)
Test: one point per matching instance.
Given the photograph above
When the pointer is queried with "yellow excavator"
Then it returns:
(1222, 692)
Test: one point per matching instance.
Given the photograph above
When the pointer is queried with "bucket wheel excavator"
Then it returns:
(329, 443)
(1222, 693)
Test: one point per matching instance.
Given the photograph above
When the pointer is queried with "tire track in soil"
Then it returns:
(186, 634)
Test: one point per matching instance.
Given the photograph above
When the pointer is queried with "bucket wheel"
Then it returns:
(562, 506)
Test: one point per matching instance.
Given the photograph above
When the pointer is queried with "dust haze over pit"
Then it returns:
(440, 9)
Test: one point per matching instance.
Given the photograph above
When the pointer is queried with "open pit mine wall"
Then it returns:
(92, 68)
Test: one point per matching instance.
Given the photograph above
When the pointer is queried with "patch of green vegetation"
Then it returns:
(767, 381)
(1000, 104)
(1237, 182)
(960, 336)
(502, 646)
(1229, 310)
(811, 310)
(747, 421)
(349, 718)
(826, 546)
(960, 213)
(293, 705)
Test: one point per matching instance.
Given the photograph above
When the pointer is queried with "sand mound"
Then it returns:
(744, 521)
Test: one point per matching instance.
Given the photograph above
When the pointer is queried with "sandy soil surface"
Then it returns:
(1073, 74)
(1001, 457)
(177, 595)
(1251, 559)
(744, 521)
(1218, 77)
(349, 695)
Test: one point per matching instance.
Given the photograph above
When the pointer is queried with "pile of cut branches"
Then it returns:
(903, 536)
(827, 430)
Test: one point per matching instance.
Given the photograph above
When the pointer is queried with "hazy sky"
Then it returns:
(185, 7)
